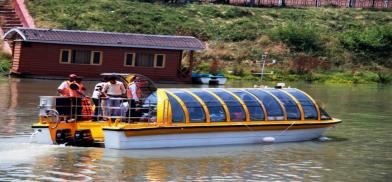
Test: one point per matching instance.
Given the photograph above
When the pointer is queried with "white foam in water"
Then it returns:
(269, 139)
(22, 152)
(324, 138)
(32, 136)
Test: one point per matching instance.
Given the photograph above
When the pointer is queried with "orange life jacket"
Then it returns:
(81, 90)
(68, 92)
(138, 91)
(87, 109)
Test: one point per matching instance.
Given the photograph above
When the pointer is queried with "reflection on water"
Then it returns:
(356, 150)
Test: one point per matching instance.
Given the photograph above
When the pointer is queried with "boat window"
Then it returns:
(236, 110)
(324, 115)
(217, 113)
(310, 111)
(291, 107)
(272, 106)
(177, 111)
(255, 110)
(196, 112)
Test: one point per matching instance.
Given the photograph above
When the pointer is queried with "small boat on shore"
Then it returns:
(218, 79)
(187, 118)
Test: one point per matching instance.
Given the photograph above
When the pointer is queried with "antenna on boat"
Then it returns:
(264, 59)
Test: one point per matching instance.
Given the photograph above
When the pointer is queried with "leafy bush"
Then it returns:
(299, 36)
(240, 30)
(5, 62)
(371, 44)
(202, 67)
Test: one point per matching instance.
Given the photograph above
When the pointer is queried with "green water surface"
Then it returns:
(359, 149)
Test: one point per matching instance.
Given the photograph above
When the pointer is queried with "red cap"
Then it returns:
(73, 75)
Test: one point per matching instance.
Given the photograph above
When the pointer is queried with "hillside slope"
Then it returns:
(311, 44)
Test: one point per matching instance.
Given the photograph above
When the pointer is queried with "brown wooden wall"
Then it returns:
(16, 50)
(44, 60)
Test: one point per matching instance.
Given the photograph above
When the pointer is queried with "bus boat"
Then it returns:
(179, 117)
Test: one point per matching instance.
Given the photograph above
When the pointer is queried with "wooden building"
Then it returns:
(57, 53)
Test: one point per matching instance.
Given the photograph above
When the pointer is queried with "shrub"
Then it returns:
(374, 43)
(240, 30)
(202, 67)
(298, 36)
(5, 62)
(238, 70)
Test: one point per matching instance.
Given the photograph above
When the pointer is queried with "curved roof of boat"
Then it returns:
(242, 104)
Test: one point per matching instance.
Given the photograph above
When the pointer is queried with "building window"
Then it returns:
(144, 60)
(80, 57)
(64, 56)
(129, 59)
(159, 60)
(96, 57)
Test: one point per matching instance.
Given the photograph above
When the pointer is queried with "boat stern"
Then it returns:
(41, 134)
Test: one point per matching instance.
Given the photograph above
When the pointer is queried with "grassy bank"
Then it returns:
(5, 61)
(316, 44)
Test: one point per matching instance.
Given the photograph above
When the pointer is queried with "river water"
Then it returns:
(359, 149)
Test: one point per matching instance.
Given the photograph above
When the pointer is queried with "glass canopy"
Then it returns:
(238, 105)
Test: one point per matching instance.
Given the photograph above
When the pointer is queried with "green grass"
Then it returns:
(342, 39)
(5, 62)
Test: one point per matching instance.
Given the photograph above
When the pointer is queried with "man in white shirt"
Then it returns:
(114, 90)
(96, 97)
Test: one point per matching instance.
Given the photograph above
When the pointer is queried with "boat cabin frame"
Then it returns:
(293, 104)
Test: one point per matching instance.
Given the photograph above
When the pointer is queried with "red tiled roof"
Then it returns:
(79, 37)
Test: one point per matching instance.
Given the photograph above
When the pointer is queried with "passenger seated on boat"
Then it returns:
(272, 118)
(149, 116)
(217, 114)
(196, 114)
(238, 116)
(130, 111)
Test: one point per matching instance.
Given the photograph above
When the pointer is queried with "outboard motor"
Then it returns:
(63, 136)
(83, 137)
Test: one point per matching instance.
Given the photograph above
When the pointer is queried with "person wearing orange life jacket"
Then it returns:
(74, 88)
(81, 91)
(134, 91)
(65, 87)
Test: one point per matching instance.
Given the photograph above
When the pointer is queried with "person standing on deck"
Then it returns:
(65, 87)
(114, 90)
(134, 94)
(82, 89)
(134, 89)
(96, 97)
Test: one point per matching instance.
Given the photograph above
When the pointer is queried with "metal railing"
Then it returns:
(112, 109)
